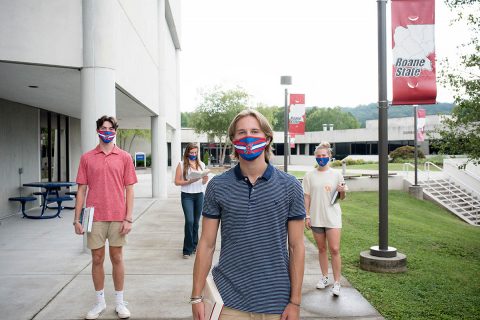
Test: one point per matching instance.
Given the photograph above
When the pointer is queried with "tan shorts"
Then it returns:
(232, 314)
(103, 230)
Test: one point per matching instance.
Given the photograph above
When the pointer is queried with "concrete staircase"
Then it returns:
(450, 195)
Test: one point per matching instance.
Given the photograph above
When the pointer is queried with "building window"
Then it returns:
(302, 148)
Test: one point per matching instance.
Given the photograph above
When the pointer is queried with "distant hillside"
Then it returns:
(369, 112)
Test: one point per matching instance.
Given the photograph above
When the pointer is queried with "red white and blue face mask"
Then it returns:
(106, 136)
(322, 161)
(249, 148)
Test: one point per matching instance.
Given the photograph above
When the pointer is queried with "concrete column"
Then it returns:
(177, 132)
(159, 158)
(307, 149)
(159, 124)
(100, 27)
(416, 191)
(176, 148)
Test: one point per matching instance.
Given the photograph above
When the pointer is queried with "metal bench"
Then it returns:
(23, 201)
(71, 193)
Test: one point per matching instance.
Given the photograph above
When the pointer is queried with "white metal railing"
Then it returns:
(453, 189)
(427, 166)
(455, 194)
(406, 170)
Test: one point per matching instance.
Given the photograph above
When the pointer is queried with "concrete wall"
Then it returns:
(468, 178)
(137, 64)
(33, 32)
(371, 184)
(20, 148)
(171, 84)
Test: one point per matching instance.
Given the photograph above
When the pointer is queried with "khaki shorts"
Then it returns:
(103, 230)
(232, 314)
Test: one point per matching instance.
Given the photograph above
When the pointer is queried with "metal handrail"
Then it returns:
(408, 165)
(426, 166)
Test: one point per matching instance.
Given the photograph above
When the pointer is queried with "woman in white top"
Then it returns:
(192, 196)
(323, 217)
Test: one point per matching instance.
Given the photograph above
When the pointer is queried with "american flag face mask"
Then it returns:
(249, 148)
(106, 136)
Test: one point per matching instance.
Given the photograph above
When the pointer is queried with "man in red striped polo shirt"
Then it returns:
(107, 172)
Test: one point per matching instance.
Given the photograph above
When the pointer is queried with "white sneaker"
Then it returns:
(122, 311)
(336, 289)
(322, 283)
(96, 310)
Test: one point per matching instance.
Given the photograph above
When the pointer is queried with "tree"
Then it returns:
(216, 111)
(316, 117)
(460, 134)
(269, 112)
(127, 136)
(186, 118)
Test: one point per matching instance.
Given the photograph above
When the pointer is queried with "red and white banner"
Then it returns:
(413, 42)
(292, 140)
(421, 121)
(296, 114)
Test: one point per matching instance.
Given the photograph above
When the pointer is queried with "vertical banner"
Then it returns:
(421, 121)
(296, 114)
(292, 140)
(413, 42)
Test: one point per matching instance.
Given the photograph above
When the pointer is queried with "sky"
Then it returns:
(328, 47)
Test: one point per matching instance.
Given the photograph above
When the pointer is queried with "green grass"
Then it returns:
(298, 174)
(443, 258)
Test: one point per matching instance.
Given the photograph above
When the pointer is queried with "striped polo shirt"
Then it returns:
(252, 274)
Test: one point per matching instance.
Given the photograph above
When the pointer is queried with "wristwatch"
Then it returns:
(76, 221)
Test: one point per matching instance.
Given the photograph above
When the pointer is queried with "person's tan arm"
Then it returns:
(128, 220)
(308, 220)
(296, 249)
(179, 181)
(79, 201)
(203, 262)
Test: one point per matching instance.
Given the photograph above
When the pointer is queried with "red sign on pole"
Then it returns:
(296, 115)
(421, 121)
(413, 37)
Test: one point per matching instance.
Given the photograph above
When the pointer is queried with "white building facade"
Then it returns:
(362, 143)
(64, 64)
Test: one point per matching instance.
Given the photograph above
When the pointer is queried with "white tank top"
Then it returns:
(195, 187)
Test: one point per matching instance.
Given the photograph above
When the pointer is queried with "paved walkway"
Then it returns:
(45, 274)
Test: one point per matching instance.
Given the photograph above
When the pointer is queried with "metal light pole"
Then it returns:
(285, 80)
(382, 258)
(382, 250)
(415, 143)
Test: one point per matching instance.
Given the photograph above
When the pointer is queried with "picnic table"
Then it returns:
(50, 194)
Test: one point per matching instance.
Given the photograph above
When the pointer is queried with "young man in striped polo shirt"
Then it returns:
(258, 275)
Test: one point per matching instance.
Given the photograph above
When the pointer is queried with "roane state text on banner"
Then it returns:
(413, 34)
(296, 115)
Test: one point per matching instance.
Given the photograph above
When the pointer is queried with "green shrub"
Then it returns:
(336, 163)
(405, 152)
(206, 157)
(149, 160)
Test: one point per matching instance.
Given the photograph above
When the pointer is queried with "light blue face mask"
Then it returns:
(323, 161)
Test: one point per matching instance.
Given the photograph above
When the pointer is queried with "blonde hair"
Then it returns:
(264, 126)
(324, 145)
